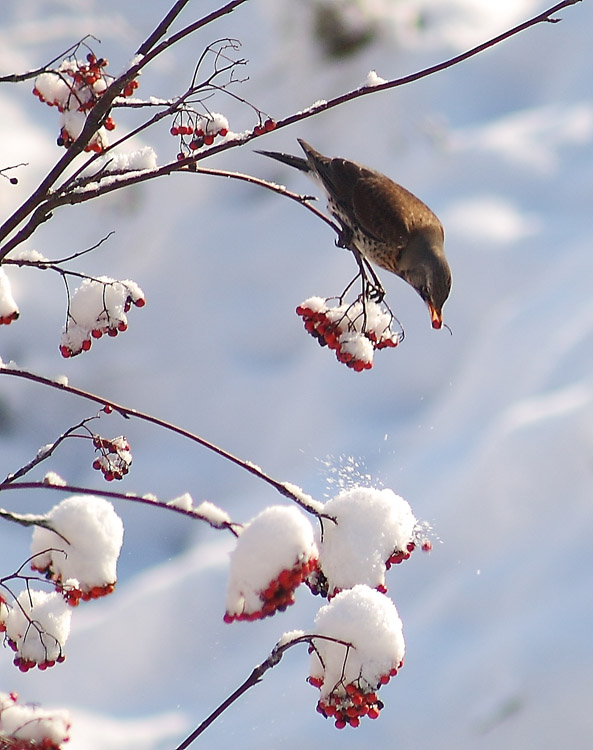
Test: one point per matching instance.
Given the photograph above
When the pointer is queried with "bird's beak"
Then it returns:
(436, 317)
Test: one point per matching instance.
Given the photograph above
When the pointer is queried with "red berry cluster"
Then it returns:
(115, 459)
(24, 665)
(74, 596)
(279, 594)
(6, 320)
(349, 704)
(398, 555)
(198, 131)
(265, 127)
(76, 87)
(354, 331)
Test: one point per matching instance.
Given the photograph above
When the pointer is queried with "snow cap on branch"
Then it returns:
(371, 526)
(88, 562)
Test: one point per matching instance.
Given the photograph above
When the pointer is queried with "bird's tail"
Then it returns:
(293, 161)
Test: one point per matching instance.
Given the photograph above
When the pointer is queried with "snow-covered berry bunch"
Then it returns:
(374, 529)
(28, 727)
(354, 331)
(74, 88)
(9, 310)
(37, 626)
(115, 459)
(275, 553)
(84, 567)
(349, 676)
(98, 307)
(196, 130)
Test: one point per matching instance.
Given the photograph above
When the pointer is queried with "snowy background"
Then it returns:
(487, 433)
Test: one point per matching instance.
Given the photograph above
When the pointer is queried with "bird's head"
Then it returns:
(424, 266)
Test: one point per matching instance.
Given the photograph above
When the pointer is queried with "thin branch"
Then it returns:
(286, 489)
(256, 676)
(45, 452)
(28, 519)
(112, 495)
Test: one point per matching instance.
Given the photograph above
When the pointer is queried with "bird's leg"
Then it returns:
(344, 238)
(371, 287)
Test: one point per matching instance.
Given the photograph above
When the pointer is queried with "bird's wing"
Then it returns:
(384, 209)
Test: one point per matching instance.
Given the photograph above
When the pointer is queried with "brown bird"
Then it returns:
(383, 221)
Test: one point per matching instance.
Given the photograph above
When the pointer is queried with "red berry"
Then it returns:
(65, 351)
(258, 130)
(140, 302)
(270, 124)
(86, 345)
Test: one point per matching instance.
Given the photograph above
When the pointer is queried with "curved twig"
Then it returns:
(256, 676)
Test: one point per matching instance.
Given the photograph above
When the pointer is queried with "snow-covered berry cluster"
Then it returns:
(353, 331)
(28, 727)
(374, 530)
(9, 310)
(74, 88)
(98, 307)
(196, 130)
(275, 553)
(362, 649)
(85, 566)
(36, 627)
(115, 459)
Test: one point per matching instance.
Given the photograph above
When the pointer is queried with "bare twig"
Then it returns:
(45, 452)
(28, 519)
(256, 676)
(110, 494)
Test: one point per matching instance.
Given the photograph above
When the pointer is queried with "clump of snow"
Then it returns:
(289, 636)
(95, 535)
(212, 513)
(8, 307)
(38, 626)
(373, 79)
(279, 539)
(144, 158)
(54, 478)
(303, 498)
(20, 722)
(357, 345)
(183, 502)
(371, 525)
(28, 254)
(367, 620)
